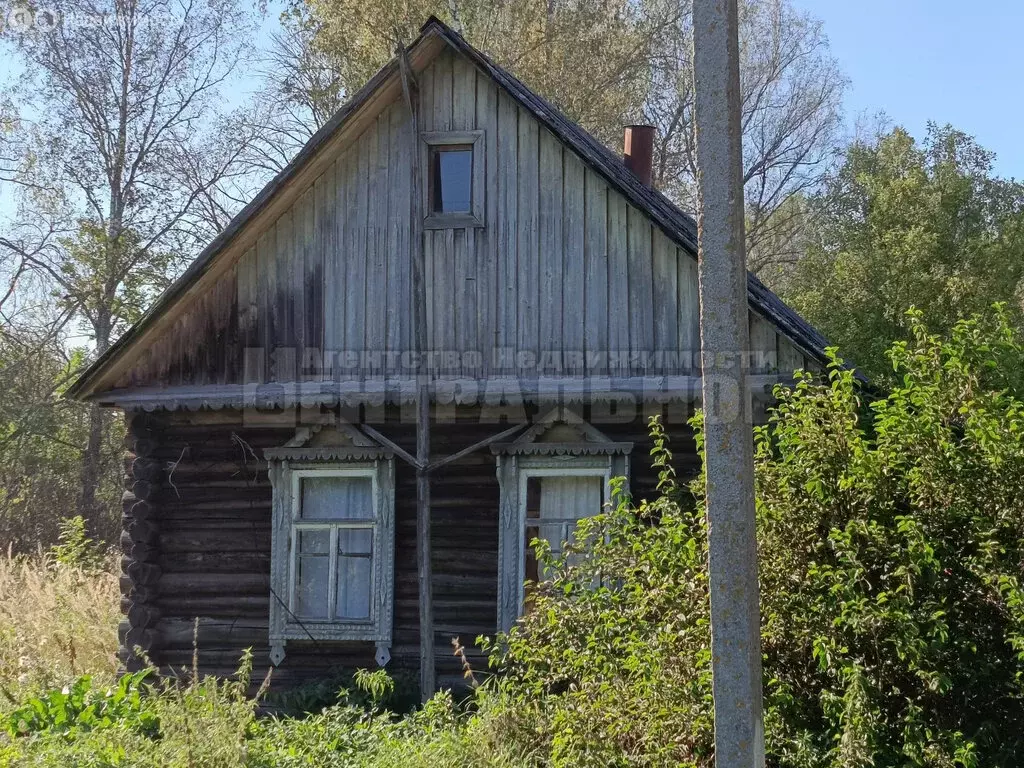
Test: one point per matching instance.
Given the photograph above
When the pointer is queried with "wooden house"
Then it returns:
(434, 336)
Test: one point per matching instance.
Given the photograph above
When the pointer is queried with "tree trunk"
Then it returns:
(92, 459)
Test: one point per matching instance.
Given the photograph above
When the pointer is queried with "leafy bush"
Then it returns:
(891, 546)
(82, 706)
(75, 548)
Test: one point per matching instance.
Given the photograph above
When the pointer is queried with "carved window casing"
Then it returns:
(333, 540)
(554, 474)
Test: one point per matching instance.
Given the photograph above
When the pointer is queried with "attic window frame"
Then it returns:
(432, 140)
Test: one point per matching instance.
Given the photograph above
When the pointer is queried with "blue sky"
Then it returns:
(921, 60)
(914, 60)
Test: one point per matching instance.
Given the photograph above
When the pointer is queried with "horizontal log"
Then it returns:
(213, 633)
(145, 469)
(143, 637)
(137, 592)
(140, 551)
(142, 530)
(137, 509)
(142, 490)
(215, 541)
(226, 584)
(142, 614)
(173, 526)
(223, 505)
(221, 606)
(216, 562)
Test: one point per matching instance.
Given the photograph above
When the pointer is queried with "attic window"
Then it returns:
(451, 179)
(453, 164)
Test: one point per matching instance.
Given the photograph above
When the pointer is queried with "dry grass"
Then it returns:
(56, 622)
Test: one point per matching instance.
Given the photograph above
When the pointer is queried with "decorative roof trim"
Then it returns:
(495, 392)
(329, 453)
(360, 446)
(561, 415)
(594, 442)
(562, 449)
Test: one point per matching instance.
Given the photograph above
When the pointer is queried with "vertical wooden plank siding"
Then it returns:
(641, 283)
(549, 253)
(265, 285)
(486, 238)
(595, 277)
(527, 263)
(763, 345)
(309, 308)
(666, 275)
(464, 298)
(377, 246)
(507, 216)
(398, 293)
(618, 278)
(688, 303)
(790, 358)
(563, 269)
(573, 234)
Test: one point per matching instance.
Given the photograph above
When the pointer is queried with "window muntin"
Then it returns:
(451, 178)
(554, 505)
(332, 540)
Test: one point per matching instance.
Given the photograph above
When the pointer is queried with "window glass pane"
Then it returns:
(354, 587)
(337, 498)
(570, 498)
(553, 505)
(452, 179)
(314, 542)
(311, 582)
(355, 541)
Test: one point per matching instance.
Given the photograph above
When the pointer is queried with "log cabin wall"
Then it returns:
(565, 269)
(208, 509)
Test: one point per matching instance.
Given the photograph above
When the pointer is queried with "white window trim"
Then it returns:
(529, 456)
(475, 218)
(298, 524)
(287, 467)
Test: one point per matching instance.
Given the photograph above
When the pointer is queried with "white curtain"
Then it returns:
(337, 498)
(563, 501)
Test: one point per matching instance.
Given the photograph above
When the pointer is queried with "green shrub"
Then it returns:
(84, 707)
(891, 540)
(74, 548)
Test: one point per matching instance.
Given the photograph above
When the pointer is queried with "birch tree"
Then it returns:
(117, 159)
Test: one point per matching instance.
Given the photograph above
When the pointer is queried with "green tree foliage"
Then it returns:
(892, 610)
(905, 224)
(41, 441)
(591, 58)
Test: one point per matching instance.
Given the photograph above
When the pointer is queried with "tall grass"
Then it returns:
(58, 620)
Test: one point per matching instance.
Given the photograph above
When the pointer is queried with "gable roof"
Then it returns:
(677, 225)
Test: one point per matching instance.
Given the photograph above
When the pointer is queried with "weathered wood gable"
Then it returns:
(566, 276)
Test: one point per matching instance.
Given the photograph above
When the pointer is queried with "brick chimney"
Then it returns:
(638, 152)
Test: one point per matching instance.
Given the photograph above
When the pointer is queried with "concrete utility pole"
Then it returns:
(725, 340)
